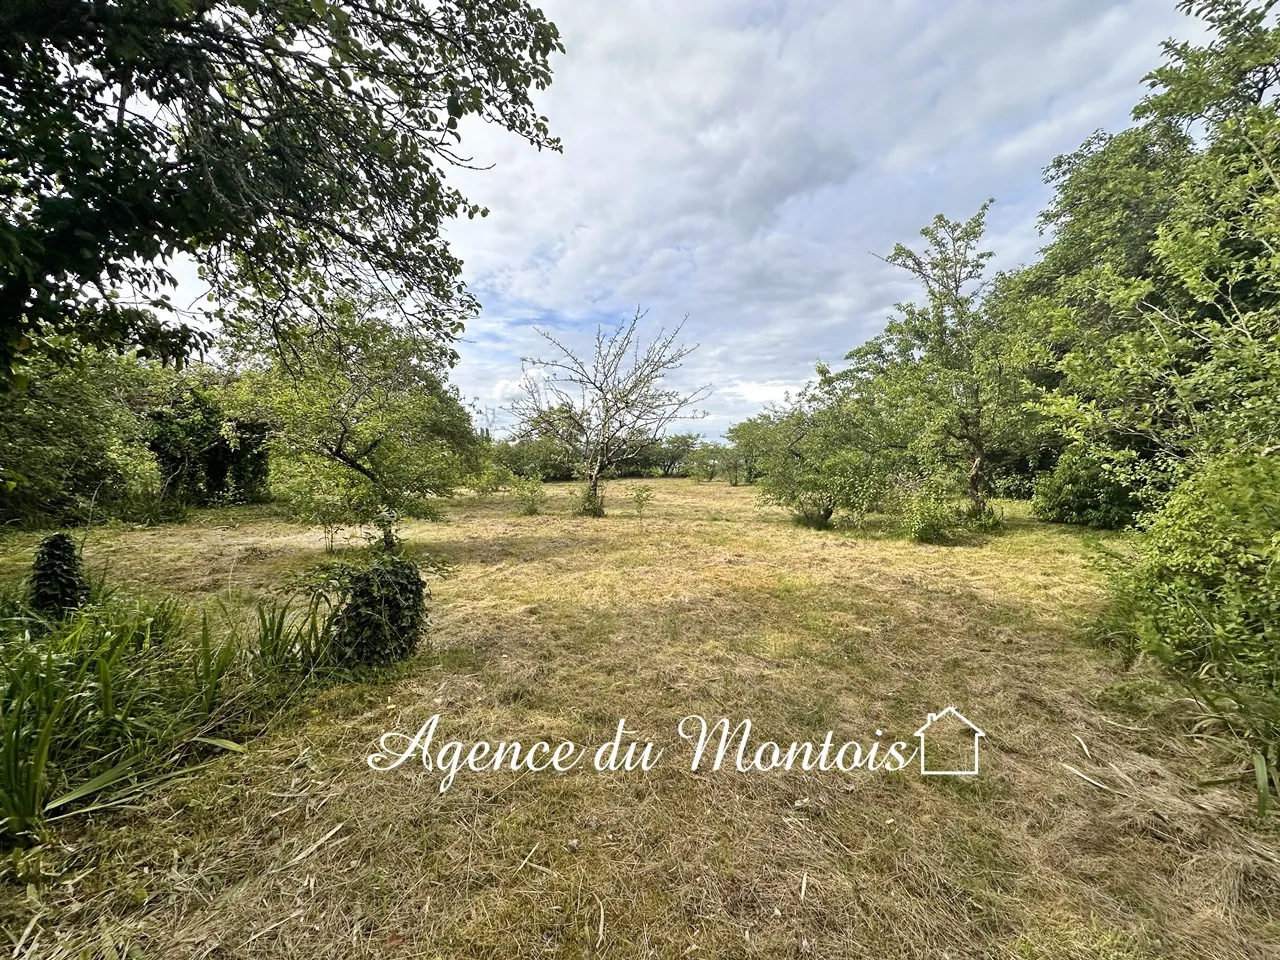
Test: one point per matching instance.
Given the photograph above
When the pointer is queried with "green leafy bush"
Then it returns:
(383, 614)
(590, 502)
(530, 494)
(818, 482)
(1204, 596)
(641, 497)
(1080, 490)
(72, 444)
(58, 583)
(927, 516)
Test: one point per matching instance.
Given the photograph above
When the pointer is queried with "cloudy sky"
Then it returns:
(740, 161)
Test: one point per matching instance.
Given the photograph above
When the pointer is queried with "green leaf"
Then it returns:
(1260, 776)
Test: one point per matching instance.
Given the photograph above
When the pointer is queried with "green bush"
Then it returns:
(814, 486)
(58, 583)
(72, 444)
(1079, 490)
(1204, 596)
(530, 494)
(641, 497)
(383, 614)
(927, 516)
(590, 502)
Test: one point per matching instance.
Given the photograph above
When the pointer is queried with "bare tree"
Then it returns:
(610, 407)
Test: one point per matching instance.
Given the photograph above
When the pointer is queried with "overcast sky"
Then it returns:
(740, 161)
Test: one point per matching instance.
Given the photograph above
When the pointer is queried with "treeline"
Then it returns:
(677, 455)
(1128, 378)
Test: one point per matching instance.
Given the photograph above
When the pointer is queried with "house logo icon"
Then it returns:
(949, 724)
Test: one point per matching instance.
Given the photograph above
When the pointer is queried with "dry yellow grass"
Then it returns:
(555, 627)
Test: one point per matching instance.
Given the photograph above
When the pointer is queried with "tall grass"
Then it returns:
(99, 706)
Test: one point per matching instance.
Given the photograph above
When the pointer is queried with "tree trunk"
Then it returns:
(978, 483)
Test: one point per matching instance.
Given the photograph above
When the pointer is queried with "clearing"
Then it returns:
(553, 628)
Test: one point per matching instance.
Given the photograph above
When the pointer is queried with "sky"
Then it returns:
(741, 163)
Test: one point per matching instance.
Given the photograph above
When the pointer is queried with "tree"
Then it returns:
(947, 373)
(368, 428)
(73, 445)
(610, 407)
(811, 459)
(290, 146)
(750, 442)
(672, 454)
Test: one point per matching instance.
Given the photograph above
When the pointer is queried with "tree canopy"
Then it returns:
(289, 147)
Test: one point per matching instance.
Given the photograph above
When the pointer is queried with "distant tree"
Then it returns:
(73, 445)
(287, 145)
(750, 441)
(671, 455)
(609, 407)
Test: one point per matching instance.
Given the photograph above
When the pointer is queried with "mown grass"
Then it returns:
(555, 627)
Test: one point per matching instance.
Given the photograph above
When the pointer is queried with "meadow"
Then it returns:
(1091, 831)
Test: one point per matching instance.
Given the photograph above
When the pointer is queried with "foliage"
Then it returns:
(289, 645)
(641, 497)
(945, 378)
(530, 494)
(204, 456)
(73, 444)
(590, 500)
(926, 515)
(1204, 596)
(606, 409)
(749, 442)
(704, 462)
(58, 582)
(491, 477)
(671, 456)
(367, 423)
(1081, 490)
(811, 467)
(94, 706)
(539, 456)
(287, 146)
(383, 613)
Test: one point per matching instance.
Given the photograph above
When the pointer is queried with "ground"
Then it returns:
(1085, 835)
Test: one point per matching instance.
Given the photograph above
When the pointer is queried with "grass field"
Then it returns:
(555, 627)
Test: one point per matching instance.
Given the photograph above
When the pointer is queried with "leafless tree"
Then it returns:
(609, 407)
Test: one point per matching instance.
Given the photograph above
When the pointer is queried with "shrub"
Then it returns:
(590, 502)
(1080, 490)
(58, 583)
(927, 516)
(815, 486)
(71, 444)
(1204, 596)
(641, 497)
(530, 494)
(383, 614)
(491, 478)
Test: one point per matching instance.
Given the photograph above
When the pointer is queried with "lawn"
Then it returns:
(1085, 835)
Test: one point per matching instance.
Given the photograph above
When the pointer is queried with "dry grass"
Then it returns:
(554, 627)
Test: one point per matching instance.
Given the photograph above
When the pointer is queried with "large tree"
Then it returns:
(288, 146)
(945, 377)
(608, 407)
